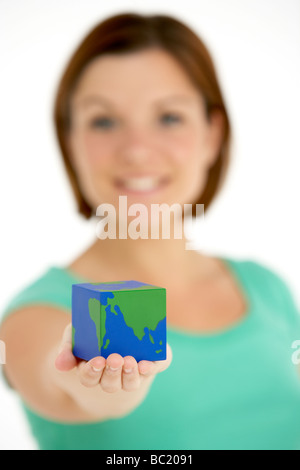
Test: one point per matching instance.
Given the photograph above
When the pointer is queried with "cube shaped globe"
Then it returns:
(124, 317)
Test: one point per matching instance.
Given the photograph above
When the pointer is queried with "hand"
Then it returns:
(113, 374)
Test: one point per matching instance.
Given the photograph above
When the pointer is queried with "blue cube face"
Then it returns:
(125, 317)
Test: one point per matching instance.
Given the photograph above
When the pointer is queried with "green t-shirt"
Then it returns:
(233, 389)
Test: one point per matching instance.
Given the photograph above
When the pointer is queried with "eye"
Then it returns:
(103, 122)
(169, 118)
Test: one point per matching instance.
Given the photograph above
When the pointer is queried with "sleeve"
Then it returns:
(281, 295)
(51, 288)
(291, 307)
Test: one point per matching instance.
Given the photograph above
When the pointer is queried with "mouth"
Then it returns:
(142, 184)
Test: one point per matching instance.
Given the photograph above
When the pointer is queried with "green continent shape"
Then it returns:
(94, 311)
(73, 336)
(151, 338)
(140, 309)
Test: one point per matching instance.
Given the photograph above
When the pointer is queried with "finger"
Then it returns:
(65, 359)
(130, 375)
(148, 368)
(90, 372)
(111, 380)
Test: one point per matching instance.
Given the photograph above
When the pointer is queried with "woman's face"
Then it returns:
(139, 129)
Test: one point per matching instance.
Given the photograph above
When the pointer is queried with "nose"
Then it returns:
(136, 147)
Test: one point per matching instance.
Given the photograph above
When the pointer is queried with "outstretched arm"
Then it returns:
(41, 366)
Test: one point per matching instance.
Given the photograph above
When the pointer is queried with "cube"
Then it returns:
(124, 317)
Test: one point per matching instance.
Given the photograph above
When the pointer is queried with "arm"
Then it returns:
(41, 367)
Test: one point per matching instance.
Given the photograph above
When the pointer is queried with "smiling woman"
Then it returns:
(172, 87)
(139, 114)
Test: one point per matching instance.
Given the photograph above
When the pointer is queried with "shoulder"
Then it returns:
(269, 285)
(51, 288)
(262, 275)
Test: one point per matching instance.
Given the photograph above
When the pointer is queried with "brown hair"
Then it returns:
(131, 32)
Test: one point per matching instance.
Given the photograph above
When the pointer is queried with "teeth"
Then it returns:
(140, 184)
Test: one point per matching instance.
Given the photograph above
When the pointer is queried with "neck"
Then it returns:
(155, 261)
(161, 261)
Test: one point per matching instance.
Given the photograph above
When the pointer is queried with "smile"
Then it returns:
(139, 185)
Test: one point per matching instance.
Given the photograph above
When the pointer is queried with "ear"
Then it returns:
(216, 132)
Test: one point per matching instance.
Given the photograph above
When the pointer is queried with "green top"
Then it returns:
(232, 389)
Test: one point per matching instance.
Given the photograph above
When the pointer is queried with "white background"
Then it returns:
(256, 48)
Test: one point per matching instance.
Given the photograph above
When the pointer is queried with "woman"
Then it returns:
(139, 112)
